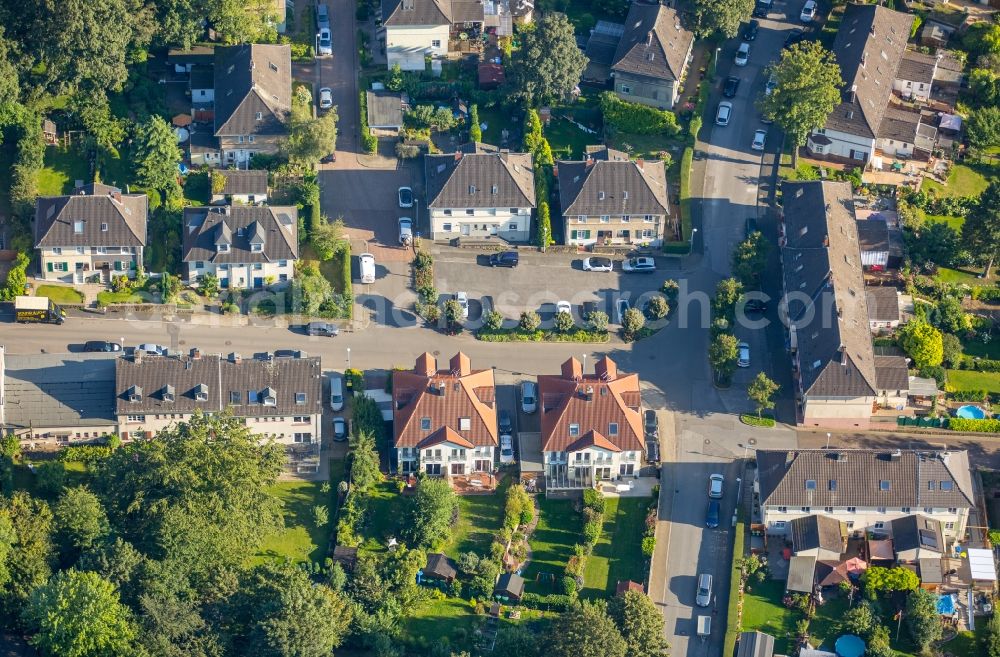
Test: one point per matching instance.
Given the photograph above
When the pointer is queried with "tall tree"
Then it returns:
(29, 563)
(723, 353)
(172, 625)
(723, 16)
(156, 156)
(807, 90)
(922, 618)
(310, 138)
(922, 342)
(431, 511)
(10, 88)
(586, 631)
(983, 127)
(78, 614)
(80, 520)
(981, 230)
(549, 64)
(244, 21)
(761, 392)
(750, 258)
(989, 641)
(105, 129)
(364, 461)
(640, 623)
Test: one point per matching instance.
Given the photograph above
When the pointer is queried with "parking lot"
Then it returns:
(538, 282)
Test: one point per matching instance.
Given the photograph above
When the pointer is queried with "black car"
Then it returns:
(794, 37)
(732, 84)
(504, 259)
(328, 159)
(762, 8)
(101, 346)
(505, 424)
(750, 31)
(712, 516)
(652, 425)
(322, 328)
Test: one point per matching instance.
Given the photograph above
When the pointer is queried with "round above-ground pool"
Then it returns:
(970, 412)
(849, 646)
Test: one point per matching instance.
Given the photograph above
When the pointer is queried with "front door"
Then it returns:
(466, 229)
(258, 281)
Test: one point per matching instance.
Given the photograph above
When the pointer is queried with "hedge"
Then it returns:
(518, 335)
(967, 425)
(552, 602)
(684, 245)
(636, 118)
(735, 576)
(969, 395)
(368, 140)
(85, 454)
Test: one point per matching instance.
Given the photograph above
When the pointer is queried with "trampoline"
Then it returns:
(849, 646)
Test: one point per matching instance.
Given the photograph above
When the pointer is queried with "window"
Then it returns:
(782, 509)
(625, 89)
(79, 250)
(199, 264)
(77, 227)
(464, 424)
(470, 212)
(852, 509)
(436, 43)
(881, 509)
(810, 484)
(102, 250)
(884, 485)
(223, 248)
(223, 267)
(511, 226)
(605, 219)
(514, 211)
(647, 233)
(234, 397)
(300, 398)
(301, 419)
(949, 525)
(906, 509)
(930, 485)
(827, 509)
(832, 485)
(282, 278)
(928, 510)
(104, 228)
(259, 116)
(304, 437)
(135, 418)
(56, 250)
(446, 228)
(425, 424)
(60, 266)
(879, 525)
(952, 510)
(613, 429)
(574, 430)
(805, 509)
(626, 218)
(250, 139)
(446, 213)
(240, 139)
(946, 485)
(648, 219)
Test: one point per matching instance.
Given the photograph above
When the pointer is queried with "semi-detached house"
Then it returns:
(416, 29)
(652, 57)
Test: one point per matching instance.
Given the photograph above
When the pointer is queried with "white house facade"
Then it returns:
(410, 45)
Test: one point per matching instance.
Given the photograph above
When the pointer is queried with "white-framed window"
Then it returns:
(470, 211)
(827, 509)
(574, 430)
(59, 266)
(805, 509)
(259, 116)
(78, 227)
(647, 233)
(300, 398)
(102, 250)
(256, 248)
(511, 226)
(303, 437)
(425, 424)
(906, 509)
(446, 213)
(626, 218)
(952, 510)
(613, 429)
(778, 524)
(104, 228)
(56, 250)
(80, 250)
(928, 510)
(949, 525)
(135, 418)
(881, 509)
(648, 219)
(879, 525)
(605, 219)
(240, 139)
(852, 509)
(436, 43)
(282, 263)
(782, 509)
(250, 139)
(625, 89)
(223, 248)
(581, 219)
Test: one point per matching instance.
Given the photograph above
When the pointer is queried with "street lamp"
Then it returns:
(828, 440)
(715, 66)
(585, 364)
(122, 340)
(693, 231)
(348, 358)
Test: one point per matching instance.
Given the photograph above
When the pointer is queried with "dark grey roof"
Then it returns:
(235, 225)
(857, 475)
(240, 385)
(654, 43)
(601, 46)
(192, 55)
(58, 390)
(468, 178)
(917, 532)
(251, 79)
(868, 47)
(917, 67)
(627, 187)
(825, 288)
(755, 644)
(899, 124)
(440, 566)
(396, 13)
(883, 303)
(891, 373)
(94, 205)
(511, 584)
(873, 235)
(385, 109)
(814, 531)
(930, 570)
(203, 142)
(243, 181)
(203, 76)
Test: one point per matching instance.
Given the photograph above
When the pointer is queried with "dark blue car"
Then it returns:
(504, 259)
(712, 517)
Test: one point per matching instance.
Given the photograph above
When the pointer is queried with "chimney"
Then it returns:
(895, 456)
(854, 93)
(649, 38)
(195, 353)
(606, 369)
(640, 163)
(572, 370)
(116, 195)
(460, 365)
(137, 355)
(458, 156)
(235, 358)
(426, 364)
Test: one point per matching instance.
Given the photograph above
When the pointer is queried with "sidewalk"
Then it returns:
(656, 586)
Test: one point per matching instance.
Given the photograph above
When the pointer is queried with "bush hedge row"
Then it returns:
(368, 140)
(553, 602)
(967, 425)
(636, 118)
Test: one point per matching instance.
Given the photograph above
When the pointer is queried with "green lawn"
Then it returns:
(63, 167)
(649, 147)
(955, 222)
(496, 119)
(618, 553)
(117, 171)
(76, 475)
(301, 539)
(479, 519)
(568, 142)
(969, 380)
(559, 529)
(451, 617)
(108, 297)
(963, 180)
(60, 293)
(383, 518)
(967, 276)
(197, 188)
(964, 645)
(764, 611)
(824, 626)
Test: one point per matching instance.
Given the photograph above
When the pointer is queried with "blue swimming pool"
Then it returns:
(849, 646)
(970, 412)
(946, 605)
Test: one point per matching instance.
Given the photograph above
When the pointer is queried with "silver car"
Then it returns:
(724, 112)
(405, 231)
(529, 397)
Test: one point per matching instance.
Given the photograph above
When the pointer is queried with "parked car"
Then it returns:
(808, 11)
(712, 516)
(405, 197)
(487, 305)
(405, 231)
(328, 159)
(529, 397)
(641, 265)
(101, 346)
(325, 329)
(794, 37)
(366, 263)
(564, 307)
(758, 140)
(336, 392)
(598, 264)
(724, 112)
(325, 42)
(744, 354)
(506, 449)
(152, 349)
(322, 16)
(325, 98)
(715, 482)
(750, 31)
(505, 424)
(504, 259)
(704, 596)
(742, 55)
(762, 8)
(732, 84)
(339, 429)
(771, 83)
(621, 307)
(463, 300)
(651, 425)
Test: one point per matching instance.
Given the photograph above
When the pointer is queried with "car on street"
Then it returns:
(506, 449)
(724, 112)
(152, 349)
(743, 349)
(504, 259)
(651, 425)
(755, 306)
(598, 264)
(405, 231)
(715, 482)
(762, 8)
(808, 11)
(339, 429)
(751, 29)
(325, 46)
(712, 516)
(621, 307)
(505, 424)
(732, 84)
(529, 397)
(704, 596)
(325, 98)
(564, 307)
(328, 159)
(405, 195)
(640, 265)
(463, 301)
(366, 263)
(325, 329)
(742, 54)
(794, 37)
(101, 346)
(758, 140)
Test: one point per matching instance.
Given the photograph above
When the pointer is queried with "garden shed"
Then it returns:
(509, 588)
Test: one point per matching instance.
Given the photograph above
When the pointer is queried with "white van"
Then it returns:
(366, 263)
(704, 597)
(336, 392)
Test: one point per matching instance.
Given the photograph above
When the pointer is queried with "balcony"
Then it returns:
(432, 458)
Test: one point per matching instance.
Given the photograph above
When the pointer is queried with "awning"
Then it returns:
(981, 564)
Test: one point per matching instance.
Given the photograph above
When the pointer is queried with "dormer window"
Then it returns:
(810, 484)
(135, 394)
(269, 397)
(256, 248)
(223, 248)
(201, 392)
(464, 424)
(78, 227)
(300, 398)
(884, 485)
(613, 429)
(168, 393)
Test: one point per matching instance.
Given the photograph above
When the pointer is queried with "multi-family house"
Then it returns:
(245, 246)
(239, 186)
(838, 378)
(95, 232)
(253, 100)
(444, 421)
(865, 489)
(609, 199)
(480, 191)
(417, 29)
(279, 399)
(591, 428)
(651, 60)
(870, 48)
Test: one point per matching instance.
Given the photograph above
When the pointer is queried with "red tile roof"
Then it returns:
(445, 435)
(593, 402)
(445, 397)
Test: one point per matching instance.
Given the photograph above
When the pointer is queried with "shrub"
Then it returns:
(569, 585)
(598, 320)
(407, 151)
(657, 308)
(493, 320)
(670, 288)
(969, 395)
(563, 322)
(543, 236)
(89, 454)
(552, 602)
(974, 426)
(593, 500)
(368, 140)
(636, 118)
(632, 323)
(592, 532)
(648, 545)
(529, 321)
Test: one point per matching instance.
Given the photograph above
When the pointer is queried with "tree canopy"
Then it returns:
(587, 631)
(640, 624)
(722, 16)
(922, 342)
(549, 64)
(922, 618)
(431, 511)
(981, 230)
(156, 156)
